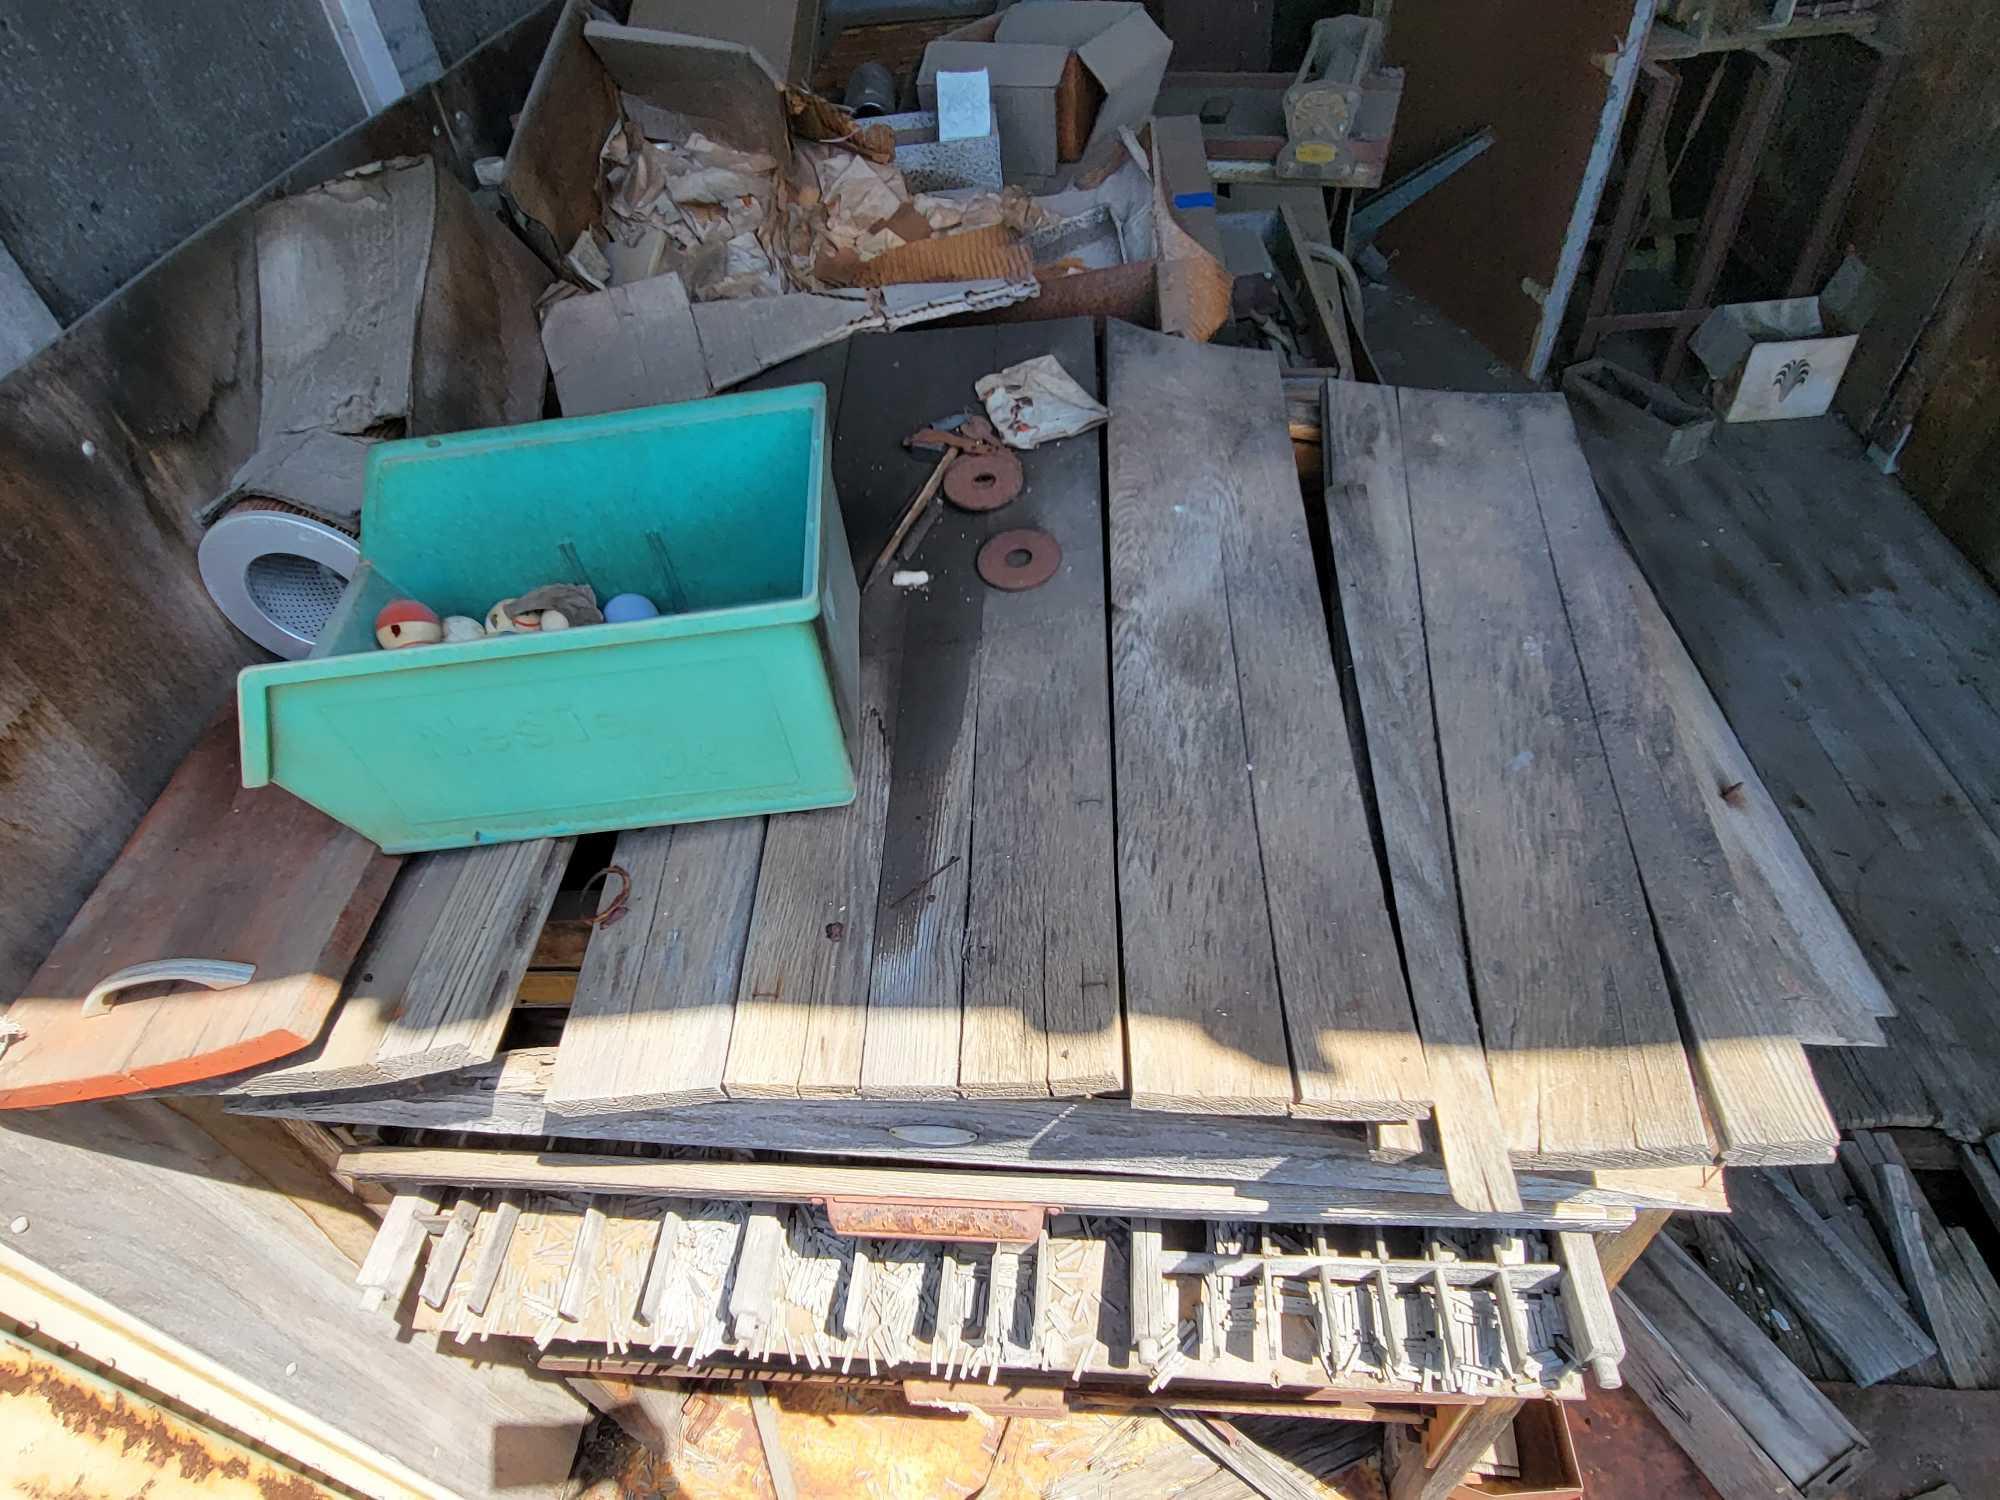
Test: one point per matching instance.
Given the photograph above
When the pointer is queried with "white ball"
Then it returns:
(463, 628)
(554, 619)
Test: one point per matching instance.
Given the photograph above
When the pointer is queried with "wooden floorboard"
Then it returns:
(435, 982)
(802, 999)
(1368, 511)
(787, 1182)
(655, 1001)
(1887, 826)
(1580, 1031)
(1732, 958)
(1202, 1009)
(1041, 993)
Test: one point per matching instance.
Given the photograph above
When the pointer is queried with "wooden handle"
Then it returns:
(214, 973)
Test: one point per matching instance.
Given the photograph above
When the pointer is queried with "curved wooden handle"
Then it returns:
(215, 973)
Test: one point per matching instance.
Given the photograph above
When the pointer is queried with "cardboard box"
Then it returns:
(1546, 1455)
(1775, 360)
(1067, 76)
(782, 32)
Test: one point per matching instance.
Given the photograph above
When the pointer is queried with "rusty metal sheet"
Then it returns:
(66, 1431)
(903, 1219)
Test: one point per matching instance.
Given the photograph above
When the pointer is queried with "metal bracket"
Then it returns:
(943, 1220)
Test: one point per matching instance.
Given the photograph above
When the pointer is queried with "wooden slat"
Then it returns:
(1731, 954)
(506, 1098)
(213, 871)
(1884, 823)
(913, 1032)
(802, 999)
(1041, 991)
(433, 987)
(1236, 776)
(1839, 1295)
(802, 1002)
(649, 1027)
(1581, 1037)
(1779, 1409)
(1178, 1198)
(1375, 568)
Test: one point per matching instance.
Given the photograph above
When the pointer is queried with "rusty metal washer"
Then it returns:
(998, 563)
(983, 481)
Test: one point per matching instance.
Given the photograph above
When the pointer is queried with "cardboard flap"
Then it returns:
(1132, 53)
(1032, 67)
(726, 88)
(1062, 23)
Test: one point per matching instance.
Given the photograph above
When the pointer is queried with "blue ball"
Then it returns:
(622, 608)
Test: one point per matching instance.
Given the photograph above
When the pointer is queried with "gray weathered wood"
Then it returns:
(434, 984)
(656, 998)
(1885, 823)
(802, 1003)
(1697, 1419)
(1236, 775)
(283, 1320)
(506, 1098)
(1779, 1409)
(449, 1252)
(1581, 1037)
(1176, 1198)
(1732, 955)
(1840, 1296)
(1593, 1326)
(1368, 509)
(1041, 991)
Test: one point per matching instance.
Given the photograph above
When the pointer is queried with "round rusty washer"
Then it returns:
(983, 481)
(1016, 560)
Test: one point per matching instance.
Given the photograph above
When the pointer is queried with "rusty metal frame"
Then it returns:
(1662, 84)
(1723, 214)
(1811, 271)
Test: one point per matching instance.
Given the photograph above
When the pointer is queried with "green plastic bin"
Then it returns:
(740, 698)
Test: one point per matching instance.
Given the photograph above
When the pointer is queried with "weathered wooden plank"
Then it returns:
(1696, 1418)
(505, 1098)
(1884, 823)
(216, 1274)
(656, 998)
(1839, 1295)
(1381, 610)
(433, 986)
(1779, 1409)
(1213, 588)
(1581, 1037)
(916, 992)
(802, 1002)
(1732, 956)
(1202, 1006)
(1041, 988)
(1178, 1198)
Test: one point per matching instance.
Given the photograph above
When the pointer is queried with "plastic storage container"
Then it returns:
(739, 699)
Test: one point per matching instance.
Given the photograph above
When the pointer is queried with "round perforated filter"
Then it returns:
(277, 573)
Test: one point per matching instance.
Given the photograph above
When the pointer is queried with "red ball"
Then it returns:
(407, 622)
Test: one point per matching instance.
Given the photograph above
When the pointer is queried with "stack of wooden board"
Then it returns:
(1139, 882)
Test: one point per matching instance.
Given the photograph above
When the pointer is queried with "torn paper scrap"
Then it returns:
(1036, 402)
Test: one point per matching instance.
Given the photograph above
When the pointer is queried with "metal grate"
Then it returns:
(297, 592)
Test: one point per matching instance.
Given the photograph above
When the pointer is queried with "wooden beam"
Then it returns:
(782, 1182)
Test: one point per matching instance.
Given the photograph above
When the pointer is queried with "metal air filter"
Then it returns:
(277, 573)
